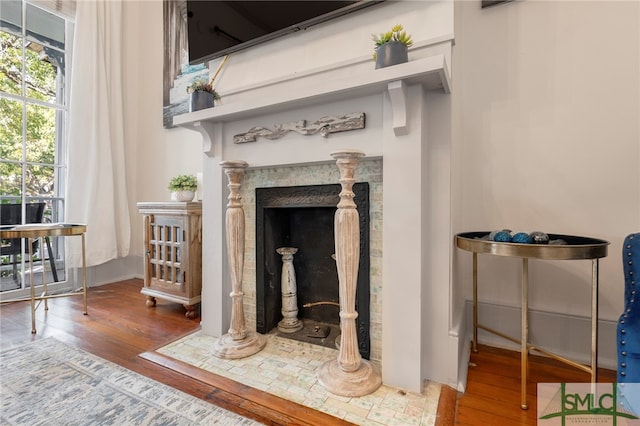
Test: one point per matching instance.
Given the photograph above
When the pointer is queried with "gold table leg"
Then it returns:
(44, 295)
(84, 278)
(594, 320)
(44, 278)
(33, 290)
(474, 346)
(524, 350)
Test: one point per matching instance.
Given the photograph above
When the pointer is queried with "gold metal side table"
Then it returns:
(33, 231)
(574, 248)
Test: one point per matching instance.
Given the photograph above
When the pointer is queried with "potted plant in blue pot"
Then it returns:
(392, 47)
(201, 95)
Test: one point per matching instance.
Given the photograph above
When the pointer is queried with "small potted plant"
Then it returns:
(184, 187)
(391, 48)
(201, 95)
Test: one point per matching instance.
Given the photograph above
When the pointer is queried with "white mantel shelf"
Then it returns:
(431, 72)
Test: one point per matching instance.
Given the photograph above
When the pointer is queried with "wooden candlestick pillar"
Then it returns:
(348, 375)
(238, 342)
(289, 288)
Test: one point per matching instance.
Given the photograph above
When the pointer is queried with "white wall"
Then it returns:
(329, 44)
(546, 137)
(159, 153)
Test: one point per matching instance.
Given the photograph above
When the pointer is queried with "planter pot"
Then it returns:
(200, 100)
(184, 195)
(392, 53)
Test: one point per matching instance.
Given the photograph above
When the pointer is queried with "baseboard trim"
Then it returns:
(121, 269)
(459, 331)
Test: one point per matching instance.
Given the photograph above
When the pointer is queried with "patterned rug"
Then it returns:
(47, 382)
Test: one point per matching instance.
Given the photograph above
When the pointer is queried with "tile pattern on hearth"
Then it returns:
(287, 368)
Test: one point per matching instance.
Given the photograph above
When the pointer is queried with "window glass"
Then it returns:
(10, 181)
(41, 134)
(41, 73)
(11, 63)
(39, 181)
(10, 130)
(45, 27)
(33, 57)
(11, 15)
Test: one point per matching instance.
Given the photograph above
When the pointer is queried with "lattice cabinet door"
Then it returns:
(173, 253)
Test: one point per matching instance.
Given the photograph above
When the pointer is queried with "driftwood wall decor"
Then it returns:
(324, 126)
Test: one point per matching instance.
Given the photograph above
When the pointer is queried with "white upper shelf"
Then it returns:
(431, 72)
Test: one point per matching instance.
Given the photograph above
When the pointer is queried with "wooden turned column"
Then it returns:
(348, 375)
(289, 288)
(238, 342)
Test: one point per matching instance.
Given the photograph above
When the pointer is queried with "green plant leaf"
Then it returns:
(183, 183)
(397, 33)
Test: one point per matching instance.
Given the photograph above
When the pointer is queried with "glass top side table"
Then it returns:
(37, 230)
(574, 248)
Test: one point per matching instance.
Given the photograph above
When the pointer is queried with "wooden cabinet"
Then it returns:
(172, 235)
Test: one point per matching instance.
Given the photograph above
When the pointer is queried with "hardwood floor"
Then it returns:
(119, 327)
(492, 396)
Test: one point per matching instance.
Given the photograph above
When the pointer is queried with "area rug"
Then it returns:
(47, 382)
(287, 368)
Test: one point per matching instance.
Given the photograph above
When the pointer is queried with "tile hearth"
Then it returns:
(287, 368)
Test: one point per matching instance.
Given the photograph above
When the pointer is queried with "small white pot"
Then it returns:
(184, 195)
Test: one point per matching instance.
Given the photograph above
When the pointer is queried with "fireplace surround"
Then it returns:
(299, 179)
(414, 335)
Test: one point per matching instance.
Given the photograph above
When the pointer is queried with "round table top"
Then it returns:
(37, 230)
(561, 247)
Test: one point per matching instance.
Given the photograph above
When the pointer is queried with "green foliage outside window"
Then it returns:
(40, 80)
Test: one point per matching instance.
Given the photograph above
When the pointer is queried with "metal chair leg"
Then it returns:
(52, 260)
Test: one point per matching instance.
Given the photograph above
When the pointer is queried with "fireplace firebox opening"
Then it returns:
(302, 217)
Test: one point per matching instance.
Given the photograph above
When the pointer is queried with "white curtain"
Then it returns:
(96, 183)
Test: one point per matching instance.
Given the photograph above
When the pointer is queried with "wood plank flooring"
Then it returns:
(492, 396)
(119, 327)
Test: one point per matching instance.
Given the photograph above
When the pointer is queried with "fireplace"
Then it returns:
(408, 137)
(302, 217)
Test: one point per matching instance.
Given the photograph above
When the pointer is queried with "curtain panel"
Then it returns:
(96, 192)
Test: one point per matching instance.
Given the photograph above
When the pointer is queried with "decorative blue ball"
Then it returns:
(492, 235)
(522, 238)
(502, 237)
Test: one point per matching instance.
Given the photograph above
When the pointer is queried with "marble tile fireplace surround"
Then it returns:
(406, 140)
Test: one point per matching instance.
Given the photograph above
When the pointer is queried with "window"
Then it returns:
(34, 53)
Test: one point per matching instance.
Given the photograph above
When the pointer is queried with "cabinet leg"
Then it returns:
(191, 311)
(151, 301)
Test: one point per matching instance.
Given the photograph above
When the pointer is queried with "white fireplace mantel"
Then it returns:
(409, 128)
(432, 72)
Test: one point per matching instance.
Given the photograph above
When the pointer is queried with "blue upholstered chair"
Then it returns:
(629, 328)
(629, 323)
